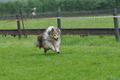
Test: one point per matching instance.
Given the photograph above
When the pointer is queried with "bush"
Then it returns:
(13, 7)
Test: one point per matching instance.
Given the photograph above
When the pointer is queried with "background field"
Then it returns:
(65, 23)
(81, 58)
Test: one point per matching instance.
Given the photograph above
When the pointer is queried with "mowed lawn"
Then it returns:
(81, 58)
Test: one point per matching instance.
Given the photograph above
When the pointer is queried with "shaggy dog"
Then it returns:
(49, 39)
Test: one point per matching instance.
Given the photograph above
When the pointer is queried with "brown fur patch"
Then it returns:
(56, 46)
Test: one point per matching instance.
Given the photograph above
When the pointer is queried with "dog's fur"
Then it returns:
(49, 39)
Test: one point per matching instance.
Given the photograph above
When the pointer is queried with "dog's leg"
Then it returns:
(57, 48)
(47, 46)
(53, 48)
(45, 50)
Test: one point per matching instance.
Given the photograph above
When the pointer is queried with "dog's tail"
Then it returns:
(37, 44)
(39, 41)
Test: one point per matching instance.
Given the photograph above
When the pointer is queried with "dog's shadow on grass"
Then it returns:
(44, 54)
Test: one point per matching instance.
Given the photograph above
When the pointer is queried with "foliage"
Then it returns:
(85, 58)
(13, 7)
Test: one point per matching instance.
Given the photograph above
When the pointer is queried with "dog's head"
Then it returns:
(55, 33)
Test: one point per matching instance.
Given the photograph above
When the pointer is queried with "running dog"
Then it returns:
(49, 39)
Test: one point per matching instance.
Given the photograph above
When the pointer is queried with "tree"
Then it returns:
(53, 5)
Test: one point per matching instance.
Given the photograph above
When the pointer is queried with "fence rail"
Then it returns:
(72, 31)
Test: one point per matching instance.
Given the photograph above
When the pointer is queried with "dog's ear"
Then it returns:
(52, 29)
(59, 31)
(50, 32)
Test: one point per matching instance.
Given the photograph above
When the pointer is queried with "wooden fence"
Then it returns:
(77, 31)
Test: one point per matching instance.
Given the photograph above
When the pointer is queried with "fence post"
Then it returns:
(18, 25)
(116, 24)
(58, 20)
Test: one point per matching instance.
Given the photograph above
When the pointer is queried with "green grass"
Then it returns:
(81, 58)
(65, 23)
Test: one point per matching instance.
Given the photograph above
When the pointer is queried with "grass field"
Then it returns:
(81, 58)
